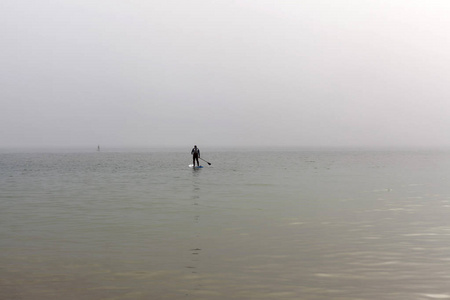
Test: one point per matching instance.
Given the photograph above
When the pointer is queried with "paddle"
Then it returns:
(205, 161)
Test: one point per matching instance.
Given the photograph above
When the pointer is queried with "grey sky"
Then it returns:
(78, 73)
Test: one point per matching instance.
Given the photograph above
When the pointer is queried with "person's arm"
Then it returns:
(198, 153)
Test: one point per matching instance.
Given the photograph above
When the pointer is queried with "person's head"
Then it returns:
(195, 146)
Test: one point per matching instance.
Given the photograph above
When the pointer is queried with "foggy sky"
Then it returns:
(330, 73)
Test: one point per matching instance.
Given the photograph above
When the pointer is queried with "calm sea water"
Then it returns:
(253, 225)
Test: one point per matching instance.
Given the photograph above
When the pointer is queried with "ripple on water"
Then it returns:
(437, 296)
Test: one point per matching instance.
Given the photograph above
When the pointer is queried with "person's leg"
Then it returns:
(198, 164)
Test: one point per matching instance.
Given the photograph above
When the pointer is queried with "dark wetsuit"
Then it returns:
(195, 155)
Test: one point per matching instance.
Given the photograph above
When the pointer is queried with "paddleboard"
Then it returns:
(196, 167)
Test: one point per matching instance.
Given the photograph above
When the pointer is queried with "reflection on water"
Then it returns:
(310, 225)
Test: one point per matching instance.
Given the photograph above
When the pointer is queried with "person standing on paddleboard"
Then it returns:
(195, 155)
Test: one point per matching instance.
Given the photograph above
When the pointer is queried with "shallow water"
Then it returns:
(253, 225)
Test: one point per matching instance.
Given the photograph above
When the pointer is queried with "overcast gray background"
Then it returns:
(78, 73)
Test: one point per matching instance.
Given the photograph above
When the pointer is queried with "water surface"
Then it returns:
(253, 225)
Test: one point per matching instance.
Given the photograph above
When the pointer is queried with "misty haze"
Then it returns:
(225, 73)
